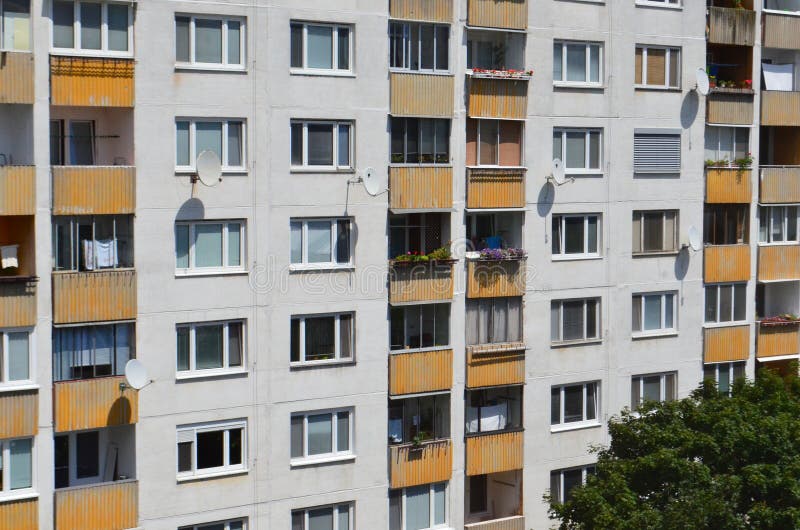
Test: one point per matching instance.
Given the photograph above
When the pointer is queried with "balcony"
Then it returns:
(94, 296)
(502, 98)
(490, 279)
(19, 414)
(496, 188)
(421, 95)
(84, 190)
(728, 185)
(779, 185)
(778, 339)
(503, 14)
(20, 515)
(421, 371)
(17, 189)
(91, 82)
(729, 343)
(93, 403)
(420, 282)
(105, 506)
(420, 187)
(778, 262)
(495, 364)
(726, 263)
(493, 453)
(411, 465)
(427, 10)
(515, 522)
(730, 107)
(728, 25)
(780, 31)
(17, 303)
(780, 108)
(16, 77)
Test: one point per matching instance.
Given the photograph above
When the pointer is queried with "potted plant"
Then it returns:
(745, 162)
(416, 441)
(712, 81)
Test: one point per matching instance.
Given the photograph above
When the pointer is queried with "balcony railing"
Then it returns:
(779, 185)
(498, 98)
(493, 453)
(490, 279)
(730, 108)
(429, 462)
(91, 82)
(420, 282)
(19, 414)
(780, 108)
(728, 185)
(17, 303)
(422, 371)
(20, 515)
(94, 296)
(778, 262)
(728, 25)
(495, 188)
(776, 340)
(495, 364)
(106, 506)
(726, 263)
(17, 189)
(94, 404)
(729, 343)
(780, 31)
(421, 95)
(16, 77)
(504, 14)
(516, 522)
(96, 190)
(427, 10)
(420, 187)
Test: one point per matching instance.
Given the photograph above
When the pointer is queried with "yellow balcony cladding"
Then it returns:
(515, 522)
(17, 304)
(780, 30)
(500, 98)
(778, 262)
(728, 25)
(421, 95)
(422, 371)
(489, 279)
(94, 190)
(91, 82)
(420, 187)
(779, 108)
(728, 185)
(726, 263)
(495, 188)
(420, 282)
(424, 10)
(19, 415)
(93, 404)
(17, 189)
(503, 14)
(106, 506)
(729, 107)
(493, 453)
(777, 340)
(779, 185)
(20, 515)
(424, 464)
(16, 77)
(94, 296)
(723, 344)
(495, 364)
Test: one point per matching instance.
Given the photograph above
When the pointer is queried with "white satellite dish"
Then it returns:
(136, 375)
(558, 174)
(702, 81)
(371, 181)
(209, 168)
(695, 239)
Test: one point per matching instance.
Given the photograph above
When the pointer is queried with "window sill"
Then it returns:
(660, 5)
(11, 387)
(576, 257)
(208, 374)
(420, 350)
(776, 244)
(321, 364)
(299, 463)
(648, 88)
(322, 73)
(577, 426)
(661, 254)
(320, 169)
(421, 164)
(321, 267)
(22, 496)
(209, 68)
(225, 172)
(654, 335)
(780, 12)
(99, 54)
(567, 343)
(419, 72)
(731, 324)
(579, 174)
(582, 86)
(196, 274)
(216, 474)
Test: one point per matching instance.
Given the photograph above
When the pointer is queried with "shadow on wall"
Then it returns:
(689, 109)
(120, 412)
(682, 263)
(544, 202)
(191, 210)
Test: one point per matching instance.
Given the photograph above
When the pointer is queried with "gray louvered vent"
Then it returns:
(656, 152)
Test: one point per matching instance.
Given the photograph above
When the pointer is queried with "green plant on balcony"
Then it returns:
(745, 162)
(414, 256)
(717, 163)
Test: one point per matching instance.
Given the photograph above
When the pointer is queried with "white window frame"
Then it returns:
(478, 164)
(184, 431)
(731, 365)
(664, 4)
(722, 323)
(676, 246)
(406, 25)
(335, 455)
(7, 494)
(785, 222)
(336, 511)
(436, 323)
(5, 384)
(588, 83)
(226, 368)
(224, 65)
(335, 124)
(76, 28)
(191, 168)
(727, 129)
(598, 321)
(663, 330)
(587, 150)
(227, 524)
(431, 506)
(563, 255)
(638, 379)
(667, 63)
(30, 30)
(305, 69)
(779, 11)
(337, 330)
(304, 264)
(193, 270)
(561, 491)
(563, 426)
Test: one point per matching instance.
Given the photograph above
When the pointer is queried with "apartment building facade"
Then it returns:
(438, 353)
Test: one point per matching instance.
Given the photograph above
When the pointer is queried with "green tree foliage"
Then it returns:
(705, 462)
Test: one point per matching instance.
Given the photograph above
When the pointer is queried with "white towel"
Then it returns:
(106, 253)
(493, 418)
(8, 256)
(88, 254)
(396, 430)
(778, 76)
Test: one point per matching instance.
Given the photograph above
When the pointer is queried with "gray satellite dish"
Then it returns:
(136, 375)
(371, 181)
(702, 81)
(695, 239)
(209, 168)
(558, 174)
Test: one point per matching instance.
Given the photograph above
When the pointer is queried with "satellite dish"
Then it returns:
(371, 181)
(702, 81)
(209, 168)
(558, 174)
(136, 374)
(695, 241)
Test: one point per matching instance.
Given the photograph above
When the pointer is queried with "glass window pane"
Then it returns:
(656, 67)
(572, 320)
(653, 231)
(182, 246)
(426, 46)
(20, 464)
(235, 344)
(442, 45)
(555, 406)
(235, 147)
(63, 21)
(439, 503)
(594, 150)
(739, 303)
(88, 454)
(343, 431)
(674, 67)
(725, 303)
(418, 508)
(208, 137)
(182, 36)
(296, 229)
(299, 520)
(320, 144)
(185, 456)
(557, 62)
(343, 516)
(319, 241)
(651, 388)
(576, 150)
(576, 62)
(592, 234)
(235, 447)
(234, 245)
(344, 145)
(296, 142)
(652, 312)
(395, 509)
(557, 145)
(346, 336)
(296, 60)
(488, 142)
(573, 235)
(320, 519)
(591, 319)
(117, 27)
(18, 357)
(669, 311)
(91, 18)
(208, 41)
(572, 479)
(320, 46)
(319, 338)
(594, 63)
(234, 42)
(591, 401)
(81, 143)
(16, 25)
(183, 348)
(724, 382)
(573, 403)
(210, 449)
(343, 59)
(320, 434)
(297, 436)
(343, 241)
(182, 147)
(711, 303)
(208, 245)
(208, 347)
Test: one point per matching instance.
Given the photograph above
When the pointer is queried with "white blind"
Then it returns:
(656, 152)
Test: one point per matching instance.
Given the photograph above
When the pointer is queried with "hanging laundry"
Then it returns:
(88, 254)
(105, 252)
(8, 256)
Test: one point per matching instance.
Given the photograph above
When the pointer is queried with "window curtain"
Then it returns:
(572, 314)
(576, 62)
(21, 464)
(320, 439)
(16, 25)
(320, 338)
(208, 137)
(208, 245)
(208, 347)
(418, 516)
(320, 144)
(320, 47)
